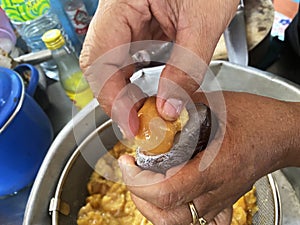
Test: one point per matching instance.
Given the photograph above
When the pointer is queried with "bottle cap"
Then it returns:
(53, 39)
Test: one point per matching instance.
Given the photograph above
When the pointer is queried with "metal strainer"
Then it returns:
(71, 189)
(268, 202)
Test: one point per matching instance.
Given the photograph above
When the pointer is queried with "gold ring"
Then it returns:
(195, 215)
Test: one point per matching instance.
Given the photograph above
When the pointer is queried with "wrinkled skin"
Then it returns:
(261, 136)
(193, 25)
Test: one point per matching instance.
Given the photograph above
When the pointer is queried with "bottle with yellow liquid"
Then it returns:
(70, 74)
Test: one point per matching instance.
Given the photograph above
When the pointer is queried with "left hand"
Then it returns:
(162, 212)
(261, 136)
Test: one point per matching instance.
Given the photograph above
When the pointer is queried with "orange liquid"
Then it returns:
(156, 135)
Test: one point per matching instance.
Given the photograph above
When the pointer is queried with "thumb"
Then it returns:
(198, 32)
(182, 76)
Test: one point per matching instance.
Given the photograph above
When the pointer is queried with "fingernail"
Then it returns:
(126, 169)
(122, 164)
(172, 108)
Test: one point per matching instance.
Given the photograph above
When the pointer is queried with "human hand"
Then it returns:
(261, 135)
(194, 25)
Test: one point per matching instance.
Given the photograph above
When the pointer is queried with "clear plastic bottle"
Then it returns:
(70, 74)
(32, 19)
(78, 15)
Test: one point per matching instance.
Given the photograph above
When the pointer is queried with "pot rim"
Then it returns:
(57, 205)
(18, 107)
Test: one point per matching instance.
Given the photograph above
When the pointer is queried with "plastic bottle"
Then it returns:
(70, 74)
(7, 36)
(57, 7)
(32, 19)
(78, 15)
(92, 6)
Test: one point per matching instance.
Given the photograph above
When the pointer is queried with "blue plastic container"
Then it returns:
(25, 130)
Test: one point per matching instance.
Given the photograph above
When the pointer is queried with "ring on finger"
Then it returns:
(195, 215)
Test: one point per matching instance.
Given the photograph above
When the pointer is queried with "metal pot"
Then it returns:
(64, 207)
(60, 186)
(25, 130)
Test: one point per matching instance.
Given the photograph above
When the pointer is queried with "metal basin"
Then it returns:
(65, 204)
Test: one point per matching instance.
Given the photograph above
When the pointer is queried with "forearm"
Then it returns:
(293, 141)
(280, 124)
(267, 129)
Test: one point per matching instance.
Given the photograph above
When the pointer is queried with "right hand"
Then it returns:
(256, 135)
(194, 25)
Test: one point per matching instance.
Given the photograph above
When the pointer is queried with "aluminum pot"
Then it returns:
(60, 187)
(25, 130)
(64, 206)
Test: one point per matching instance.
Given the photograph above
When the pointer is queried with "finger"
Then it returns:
(117, 97)
(135, 178)
(200, 97)
(164, 191)
(147, 185)
(223, 218)
(103, 35)
(124, 108)
(115, 23)
(107, 64)
(180, 214)
(195, 44)
(180, 184)
(212, 210)
(176, 85)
